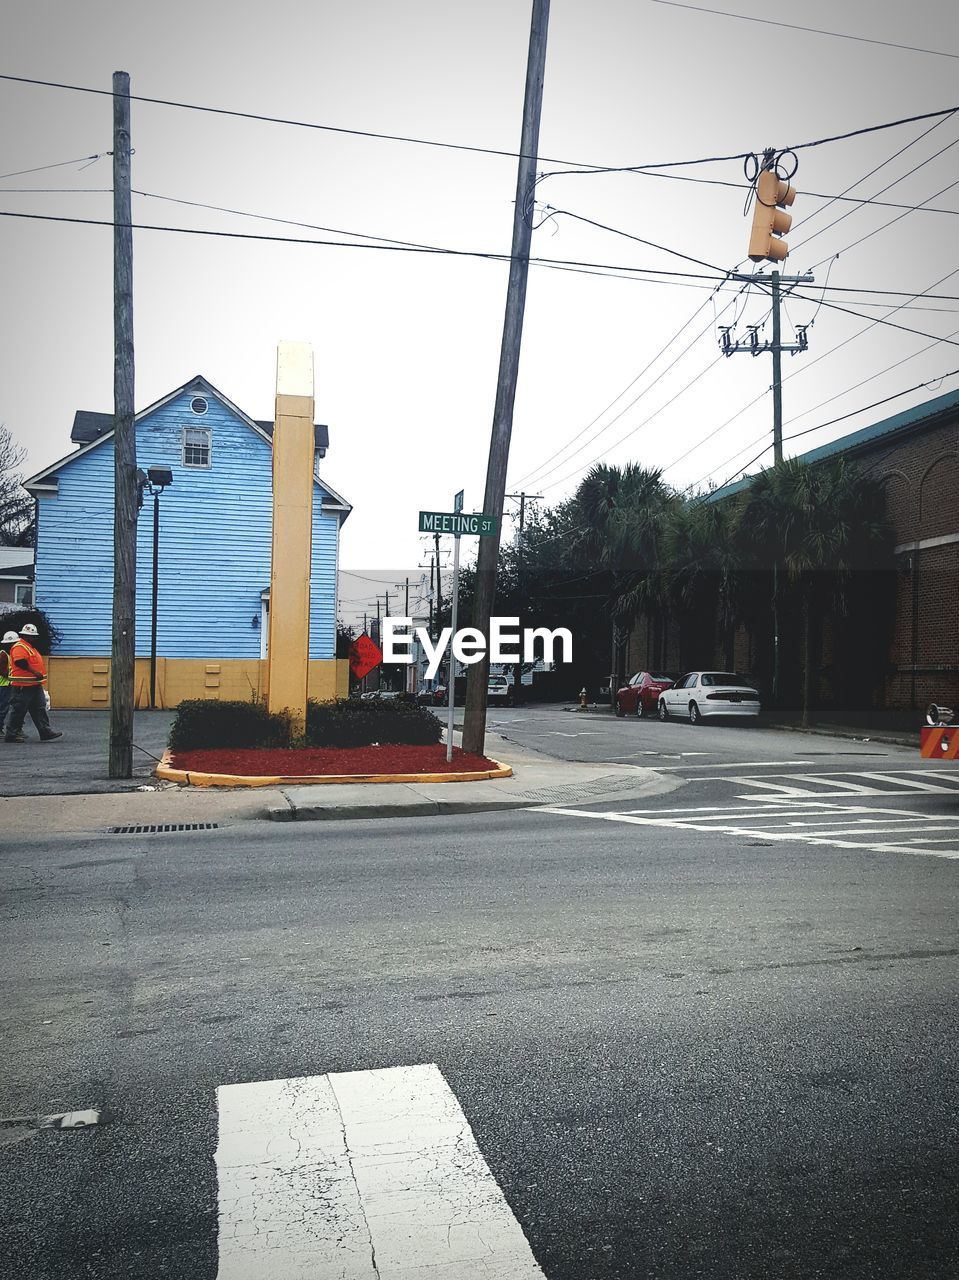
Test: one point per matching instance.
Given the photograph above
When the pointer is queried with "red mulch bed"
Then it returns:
(276, 761)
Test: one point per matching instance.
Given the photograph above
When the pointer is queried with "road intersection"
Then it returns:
(712, 1033)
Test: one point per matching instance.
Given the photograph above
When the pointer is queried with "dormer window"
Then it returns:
(197, 446)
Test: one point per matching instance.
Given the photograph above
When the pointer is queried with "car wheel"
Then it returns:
(640, 709)
(619, 709)
(663, 713)
(694, 716)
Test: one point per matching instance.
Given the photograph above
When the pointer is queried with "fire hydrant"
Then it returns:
(582, 700)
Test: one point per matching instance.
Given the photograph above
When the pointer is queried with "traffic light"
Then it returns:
(772, 194)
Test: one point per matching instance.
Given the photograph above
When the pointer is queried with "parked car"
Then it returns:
(640, 695)
(432, 696)
(500, 689)
(701, 694)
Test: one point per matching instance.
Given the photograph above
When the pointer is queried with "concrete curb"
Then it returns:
(852, 735)
(191, 778)
(418, 808)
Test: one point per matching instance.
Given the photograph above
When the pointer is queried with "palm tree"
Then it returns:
(701, 565)
(622, 513)
(818, 523)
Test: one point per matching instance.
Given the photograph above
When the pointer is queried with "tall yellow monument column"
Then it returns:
(289, 644)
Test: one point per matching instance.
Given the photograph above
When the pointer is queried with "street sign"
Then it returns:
(458, 502)
(476, 524)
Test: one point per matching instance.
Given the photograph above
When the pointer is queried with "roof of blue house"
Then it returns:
(90, 428)
(927, 414)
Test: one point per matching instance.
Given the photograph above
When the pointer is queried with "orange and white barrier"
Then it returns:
(939, 742)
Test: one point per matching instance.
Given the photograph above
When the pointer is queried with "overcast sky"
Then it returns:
(407, 345)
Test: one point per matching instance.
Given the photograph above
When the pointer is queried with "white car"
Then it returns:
(700, 694)
(500, 689)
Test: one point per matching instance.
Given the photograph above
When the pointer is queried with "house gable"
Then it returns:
(215, 537)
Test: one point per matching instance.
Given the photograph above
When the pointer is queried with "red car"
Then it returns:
(640, 696)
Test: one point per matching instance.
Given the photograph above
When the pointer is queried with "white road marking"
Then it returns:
(359, 1175)
(736, 764)
(731, 824)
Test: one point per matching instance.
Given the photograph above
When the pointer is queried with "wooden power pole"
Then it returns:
(474, 721)
(123, 651)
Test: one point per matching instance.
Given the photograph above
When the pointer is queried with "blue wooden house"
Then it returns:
(214, 561)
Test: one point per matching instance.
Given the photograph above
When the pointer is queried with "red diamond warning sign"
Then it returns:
(364, 656)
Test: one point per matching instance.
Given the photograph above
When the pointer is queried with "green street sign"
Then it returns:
(458, 523)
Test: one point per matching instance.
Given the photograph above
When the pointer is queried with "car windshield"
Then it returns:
(725, 677)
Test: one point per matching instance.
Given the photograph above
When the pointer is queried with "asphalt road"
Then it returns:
(712, 1038)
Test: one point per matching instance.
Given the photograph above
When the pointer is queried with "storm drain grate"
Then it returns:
(159, 827)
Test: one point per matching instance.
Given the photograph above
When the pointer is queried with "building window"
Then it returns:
(196, 446)
(24, 594)
(199, 405)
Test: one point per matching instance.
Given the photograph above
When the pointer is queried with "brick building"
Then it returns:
(916, 456)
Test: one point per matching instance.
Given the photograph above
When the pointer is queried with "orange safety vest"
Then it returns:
(23, 652)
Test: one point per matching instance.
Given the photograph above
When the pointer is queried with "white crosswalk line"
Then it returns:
(911, 783)
(854, 827)
(359, 1175)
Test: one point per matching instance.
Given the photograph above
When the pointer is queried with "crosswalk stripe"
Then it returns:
(359, 1175)
(911, 782)
(835, 838)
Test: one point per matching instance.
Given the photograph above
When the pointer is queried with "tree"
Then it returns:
(16, 505)
(701, 573)
(820, 523)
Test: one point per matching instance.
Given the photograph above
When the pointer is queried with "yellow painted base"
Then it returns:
(190, 777)
(84, 683)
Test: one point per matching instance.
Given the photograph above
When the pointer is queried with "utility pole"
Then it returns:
(474, 720)
(123, 649)
(522, 498)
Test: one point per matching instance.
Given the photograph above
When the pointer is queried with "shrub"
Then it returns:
(15, 618)
(203, 723)
(358, 723)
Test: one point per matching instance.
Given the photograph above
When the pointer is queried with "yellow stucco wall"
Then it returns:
(85, 682)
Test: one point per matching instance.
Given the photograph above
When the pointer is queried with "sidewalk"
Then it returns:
(60, 788)
(76, 764)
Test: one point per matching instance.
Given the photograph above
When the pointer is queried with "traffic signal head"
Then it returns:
(769, 223)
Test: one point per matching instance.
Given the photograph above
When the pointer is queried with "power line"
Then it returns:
(882, 165)
(791, 26)
(832, 351)
(632, 431)
(60, 164)
(834, 306)
(542, 473)
(583, 166)
(831, 422)
(340, 244)
(910, 209)
(298, 124)
(812, 195)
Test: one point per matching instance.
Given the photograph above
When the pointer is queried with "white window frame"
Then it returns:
(23, 589)
(197, 466)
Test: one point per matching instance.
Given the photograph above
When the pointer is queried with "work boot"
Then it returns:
(49, 737)
(16, 738)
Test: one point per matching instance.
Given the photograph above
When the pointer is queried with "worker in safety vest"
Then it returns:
(27, 677)
(6, 688)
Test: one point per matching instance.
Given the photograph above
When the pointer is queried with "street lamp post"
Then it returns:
(154, 482)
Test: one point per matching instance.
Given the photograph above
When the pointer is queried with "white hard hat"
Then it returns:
(10, 638)
(29, 630)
